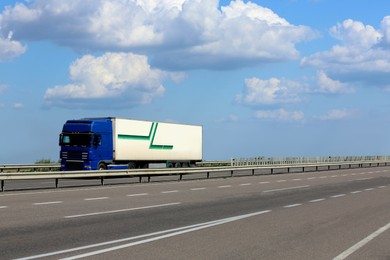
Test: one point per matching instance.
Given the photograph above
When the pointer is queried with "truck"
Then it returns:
(110, 143)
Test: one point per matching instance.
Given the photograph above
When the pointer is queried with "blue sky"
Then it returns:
(264, 78)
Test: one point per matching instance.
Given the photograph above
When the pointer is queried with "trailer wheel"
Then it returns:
(186, 164)
(102, 166)
(177, 165)
(131, 165)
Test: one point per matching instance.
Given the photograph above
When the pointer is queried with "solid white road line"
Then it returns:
(3, 207)
(121, 210)
(291, 188)
(196, 228)
(185, 228)
(356, 191)
(47, 203)
(362, 243)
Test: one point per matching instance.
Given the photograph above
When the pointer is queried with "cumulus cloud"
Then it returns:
(180, 34)
(9, 48)
(327, 85)
(125, 76)
(281, 115)
(362, 57)
(268, 92)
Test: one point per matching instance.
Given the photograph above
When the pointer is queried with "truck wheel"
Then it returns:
(131, 165)
(102, 166)
(177, 165)
(186, 165)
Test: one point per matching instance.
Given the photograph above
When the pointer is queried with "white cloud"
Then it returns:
(385, 27)
(336, 114)
(362, 56)
(281, 115)
(10, 49)
(181, 34)
(327, 85)
(125, 76)
(268, 92)
(354, 33)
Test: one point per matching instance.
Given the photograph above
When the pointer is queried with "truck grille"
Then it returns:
(74, 166)
(74, 155)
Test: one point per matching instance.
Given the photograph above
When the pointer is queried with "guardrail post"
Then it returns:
(140, 179)
(148, 178)
(253, 172)
(208, 175)
(180, 177)
(56, 181)
(2, 186)
(231, 173)
(102, 180)
(272, 170)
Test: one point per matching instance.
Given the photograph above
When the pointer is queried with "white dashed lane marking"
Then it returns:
(338, 196)
(99, 198)
(169, 191)
(47, 203)
(195, 189)
(137, 195)
(292, 205)
(317, 200)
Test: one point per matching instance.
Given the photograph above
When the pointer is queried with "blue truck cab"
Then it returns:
(86, 143)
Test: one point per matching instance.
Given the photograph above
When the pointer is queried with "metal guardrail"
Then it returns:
(182, 171)
(29, 167)
(305, 160)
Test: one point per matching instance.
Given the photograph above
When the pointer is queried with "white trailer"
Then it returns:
(146, 141)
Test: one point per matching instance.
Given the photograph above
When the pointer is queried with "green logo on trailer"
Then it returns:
(150, 138)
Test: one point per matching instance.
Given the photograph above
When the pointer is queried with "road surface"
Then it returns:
(340, 214)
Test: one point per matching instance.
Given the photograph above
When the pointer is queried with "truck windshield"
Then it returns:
(76, 139)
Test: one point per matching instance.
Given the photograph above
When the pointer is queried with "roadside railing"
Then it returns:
(305, 160)
(29, 167)
(180, 172)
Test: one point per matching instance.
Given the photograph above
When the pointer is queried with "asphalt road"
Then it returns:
(341, 214)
